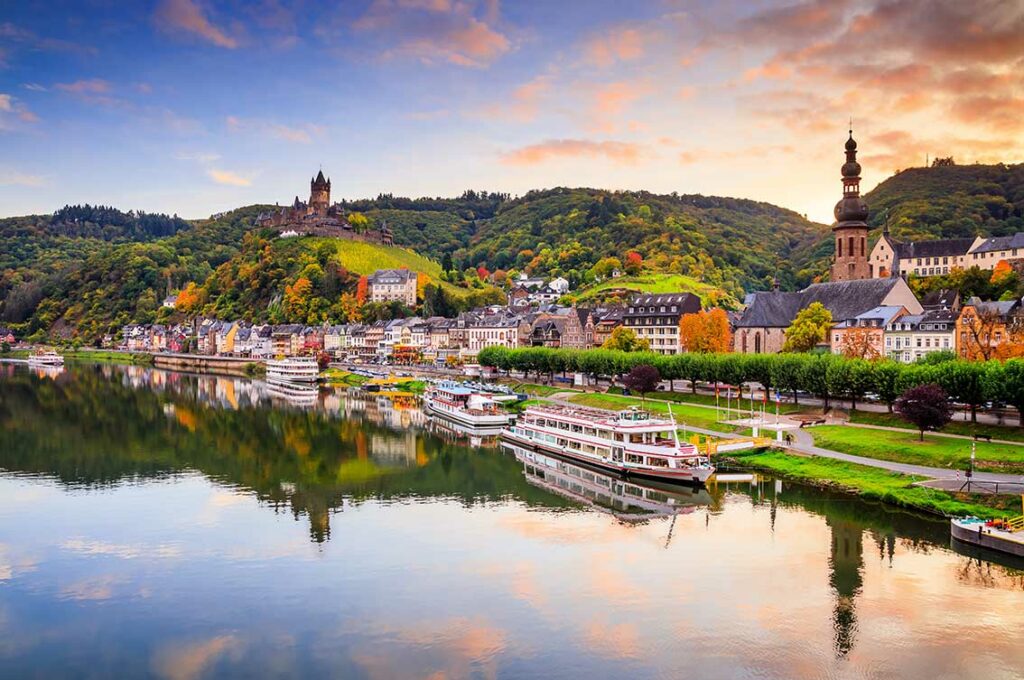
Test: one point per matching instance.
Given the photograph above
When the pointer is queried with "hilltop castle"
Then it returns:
(319, 217)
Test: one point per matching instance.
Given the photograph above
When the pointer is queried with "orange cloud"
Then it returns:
(1000, 112)
(187, 16)
(296, 134)
(619, 152)
(228, 178)
(620, 44)
(190, 660)
(436, 31)
(91, 86)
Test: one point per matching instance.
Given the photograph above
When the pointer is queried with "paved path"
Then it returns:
(942, 477)
(948, 435)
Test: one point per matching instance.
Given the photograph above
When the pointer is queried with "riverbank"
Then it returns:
(875, 484)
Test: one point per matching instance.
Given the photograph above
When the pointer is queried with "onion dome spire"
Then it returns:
(851, 210)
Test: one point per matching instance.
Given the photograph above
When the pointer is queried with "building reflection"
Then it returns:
(846, 576)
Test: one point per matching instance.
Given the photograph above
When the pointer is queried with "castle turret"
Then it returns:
(320, 193)
(851, 228)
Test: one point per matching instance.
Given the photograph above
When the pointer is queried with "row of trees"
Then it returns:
(825, 376)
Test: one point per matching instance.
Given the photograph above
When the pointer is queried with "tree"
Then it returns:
(625, 340)
(964, 381)
(643, 378)
(887, 375)
(1006, 383)
(859, 343)
(362, 289)
(705, 332)
(809, 328)
(5, 347)
(634, 261)
(360, 222)
(446, 262)
(926, 406)
(605, 267)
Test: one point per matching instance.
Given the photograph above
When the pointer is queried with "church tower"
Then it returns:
(319, 193)
(851, 229)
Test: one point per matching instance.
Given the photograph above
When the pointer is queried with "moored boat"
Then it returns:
(464, 405)
(293, 370)
(45, 358)
(629, 442)
(1004, 536)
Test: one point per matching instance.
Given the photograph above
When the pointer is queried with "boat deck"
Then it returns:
(967, 530)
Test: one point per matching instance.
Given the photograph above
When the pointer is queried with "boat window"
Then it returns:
(657, 462)
(633, 458)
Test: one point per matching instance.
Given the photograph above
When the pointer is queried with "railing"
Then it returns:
(1015, 524)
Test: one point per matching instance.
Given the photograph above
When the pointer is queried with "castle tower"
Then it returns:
(851, 229)
(319, 193)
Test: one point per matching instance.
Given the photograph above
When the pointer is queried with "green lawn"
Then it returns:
(100, 356)
(337, 376)
(694, 416)
(1009, 432)
(903, 447)
(880, 485)
(649, 283)
(539, 390)
(709, 400)
(366, 258)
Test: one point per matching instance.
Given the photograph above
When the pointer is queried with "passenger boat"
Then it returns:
(630, 442)
(293, 370)
(45, 358)
(627, 499)
(464, 405)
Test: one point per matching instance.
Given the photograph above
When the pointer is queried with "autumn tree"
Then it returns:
(189, 299)
(634, 261)
(625, 340)
(296, 298)
(859, 343)
(643, 378)
(926, 406)
(809, 328)
(362, 289)
(360, 222)
(705, 332)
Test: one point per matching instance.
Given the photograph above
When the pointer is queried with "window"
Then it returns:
(839, 245)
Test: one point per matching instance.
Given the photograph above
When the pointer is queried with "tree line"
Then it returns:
(825, 376)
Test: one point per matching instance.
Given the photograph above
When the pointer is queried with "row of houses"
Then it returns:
(653, 317)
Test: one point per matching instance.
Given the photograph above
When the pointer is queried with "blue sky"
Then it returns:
(197, 106)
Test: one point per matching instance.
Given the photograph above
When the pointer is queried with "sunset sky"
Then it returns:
(197, 106)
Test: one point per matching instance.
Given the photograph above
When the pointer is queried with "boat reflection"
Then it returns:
(294, 395)
(627, 500)
(457, 433)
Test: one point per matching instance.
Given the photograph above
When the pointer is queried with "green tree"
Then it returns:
(1005, 382)
(809, 328)
(625, 340)
(887, 374)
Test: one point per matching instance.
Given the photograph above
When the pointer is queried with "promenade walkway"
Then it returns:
(803, 443)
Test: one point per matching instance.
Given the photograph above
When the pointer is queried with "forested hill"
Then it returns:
(944, 201)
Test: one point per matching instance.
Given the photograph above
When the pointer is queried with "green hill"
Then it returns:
(620, 288)
(949, 201)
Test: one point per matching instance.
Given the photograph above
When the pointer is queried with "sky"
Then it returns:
(192, 107)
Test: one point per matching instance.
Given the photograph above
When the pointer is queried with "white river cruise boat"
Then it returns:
(464, 405)
(47, 358)
(629, 442)
(292, 370)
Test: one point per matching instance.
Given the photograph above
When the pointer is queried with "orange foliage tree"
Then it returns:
(421, 284)
(189, 299)
(362, 289)
(634, 261)
(861, 343)
(296, 298)
(705, 332)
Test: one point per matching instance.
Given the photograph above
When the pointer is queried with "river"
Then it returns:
(160, 524)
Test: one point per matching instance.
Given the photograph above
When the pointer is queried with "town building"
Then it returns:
(385, 285)
(850, 262)
(761, 328)
(989, 330)
(863, 336)
(656, 318)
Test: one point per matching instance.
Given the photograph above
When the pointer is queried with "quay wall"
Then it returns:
(204, 364)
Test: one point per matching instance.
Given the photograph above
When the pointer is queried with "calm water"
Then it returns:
(174, 526)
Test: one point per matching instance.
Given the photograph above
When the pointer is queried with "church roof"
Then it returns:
(948, 247)
(844, 299)
(1001, 243)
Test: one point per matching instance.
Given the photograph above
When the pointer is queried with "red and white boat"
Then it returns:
(629, 442)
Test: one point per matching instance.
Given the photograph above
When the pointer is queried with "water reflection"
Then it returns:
(339, 536)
